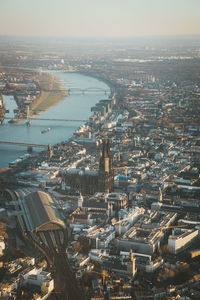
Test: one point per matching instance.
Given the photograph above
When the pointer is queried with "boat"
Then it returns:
(12, 164)
(14, 121)
(46, 130)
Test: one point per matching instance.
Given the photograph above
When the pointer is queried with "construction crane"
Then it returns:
(94, 231)
(131, 255)
(161, 228)
(104, 274)
(126, 170)
(160, 194)
(119, 223)
(174, 226)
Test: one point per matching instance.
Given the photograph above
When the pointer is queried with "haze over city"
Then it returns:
(93, 18)
(99, 149)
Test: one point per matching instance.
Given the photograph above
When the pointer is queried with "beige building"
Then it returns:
(181, 239)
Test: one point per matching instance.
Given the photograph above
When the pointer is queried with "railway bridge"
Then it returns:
(44, 119)
(25, 144)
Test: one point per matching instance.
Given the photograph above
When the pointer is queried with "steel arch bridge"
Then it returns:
(80, 90)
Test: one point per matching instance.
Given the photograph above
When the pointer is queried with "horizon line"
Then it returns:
(100, 37)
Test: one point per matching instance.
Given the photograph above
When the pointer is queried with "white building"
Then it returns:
(133, 213)
(127, 217)
(181, 239)
(38, 277)
(99, 254)
(101, 237)
(145, 241)
(2, 245)
(144, 261)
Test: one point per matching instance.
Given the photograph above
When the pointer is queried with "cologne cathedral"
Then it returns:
(88, 182)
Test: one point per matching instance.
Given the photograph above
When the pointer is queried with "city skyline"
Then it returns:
(99, 18)
(99, 151)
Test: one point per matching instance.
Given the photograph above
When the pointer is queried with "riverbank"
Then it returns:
(76, 106)
(2, 110)
(52, 92)
(111, 85)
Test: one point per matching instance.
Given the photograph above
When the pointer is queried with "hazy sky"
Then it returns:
(99, 18)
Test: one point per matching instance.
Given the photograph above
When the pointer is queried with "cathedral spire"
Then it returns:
(106, 178)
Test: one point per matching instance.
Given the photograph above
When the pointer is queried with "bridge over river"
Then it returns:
(44, 119)
(25, 144)
(63, 119)
(76, 90)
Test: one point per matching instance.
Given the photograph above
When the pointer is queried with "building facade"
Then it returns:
(92, 181)
(106, 173)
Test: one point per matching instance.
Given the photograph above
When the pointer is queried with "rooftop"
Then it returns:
(42, 211)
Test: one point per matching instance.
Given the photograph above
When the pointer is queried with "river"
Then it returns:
(76, 106)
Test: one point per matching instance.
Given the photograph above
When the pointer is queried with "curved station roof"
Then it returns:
(41, 212)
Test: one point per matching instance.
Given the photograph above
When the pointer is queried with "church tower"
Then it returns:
(106, 174)
(80, 201)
